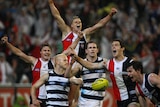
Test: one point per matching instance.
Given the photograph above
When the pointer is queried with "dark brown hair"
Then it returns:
(45, 44)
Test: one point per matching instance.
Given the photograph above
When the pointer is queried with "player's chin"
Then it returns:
(47, 57)
(114, 55)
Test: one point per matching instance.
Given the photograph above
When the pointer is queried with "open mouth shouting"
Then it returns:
(114, 52)
(78, 27)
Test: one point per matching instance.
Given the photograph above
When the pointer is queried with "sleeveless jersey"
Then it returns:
(89, 76)
(57, 88)
(148, 90)
(40, 68)
(123, 87)
(80, 48)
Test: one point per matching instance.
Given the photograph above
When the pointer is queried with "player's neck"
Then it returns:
(74, 31)
(141, 79)
(91, 59)
(45, 60)
(59, 70)
(119, 58)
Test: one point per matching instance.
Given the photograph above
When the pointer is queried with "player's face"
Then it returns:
(76, 24)
(92, 50)
(132, 73)
(45, 53)
(117, 50)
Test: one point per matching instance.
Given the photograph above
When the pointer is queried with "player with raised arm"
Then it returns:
(69, 32)
(39, 65)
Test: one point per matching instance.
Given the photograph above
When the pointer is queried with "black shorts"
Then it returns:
(125, 103)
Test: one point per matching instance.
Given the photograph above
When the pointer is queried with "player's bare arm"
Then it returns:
(18, 52)
(77, 81)
(61, 24)
(141, 99)
(72, 71)
(35, 86)
(88, 64)
(154, 79)
(101, 23)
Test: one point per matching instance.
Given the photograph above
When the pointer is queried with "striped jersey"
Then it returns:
(57, 88)
(123, 87)
(89, 76)
(149, 90)
(39, 68)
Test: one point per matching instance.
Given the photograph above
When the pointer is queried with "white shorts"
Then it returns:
(84, 102)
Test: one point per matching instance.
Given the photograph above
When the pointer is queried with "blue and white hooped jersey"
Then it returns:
(149, 90)
(89, 76)
(57, 88)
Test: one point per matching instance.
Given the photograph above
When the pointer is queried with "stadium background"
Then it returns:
(29, 23)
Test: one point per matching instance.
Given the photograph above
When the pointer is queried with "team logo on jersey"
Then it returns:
(37, 69)
(68, 39)
(111, 73)
(117, 68)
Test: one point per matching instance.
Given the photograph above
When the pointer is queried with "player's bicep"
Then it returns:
(28, 59)
(61, 24)
(154, 79)
(41, 81)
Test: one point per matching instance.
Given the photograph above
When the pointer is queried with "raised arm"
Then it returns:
(101, 23)
(61, 24)
(18, 52)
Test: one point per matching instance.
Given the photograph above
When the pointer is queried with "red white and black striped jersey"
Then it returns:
(39, 68)
(123, 87)
(80, 48)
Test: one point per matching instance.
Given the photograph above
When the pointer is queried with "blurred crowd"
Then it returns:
(29, 23)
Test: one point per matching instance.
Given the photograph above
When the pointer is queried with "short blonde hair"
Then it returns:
(74, 17)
